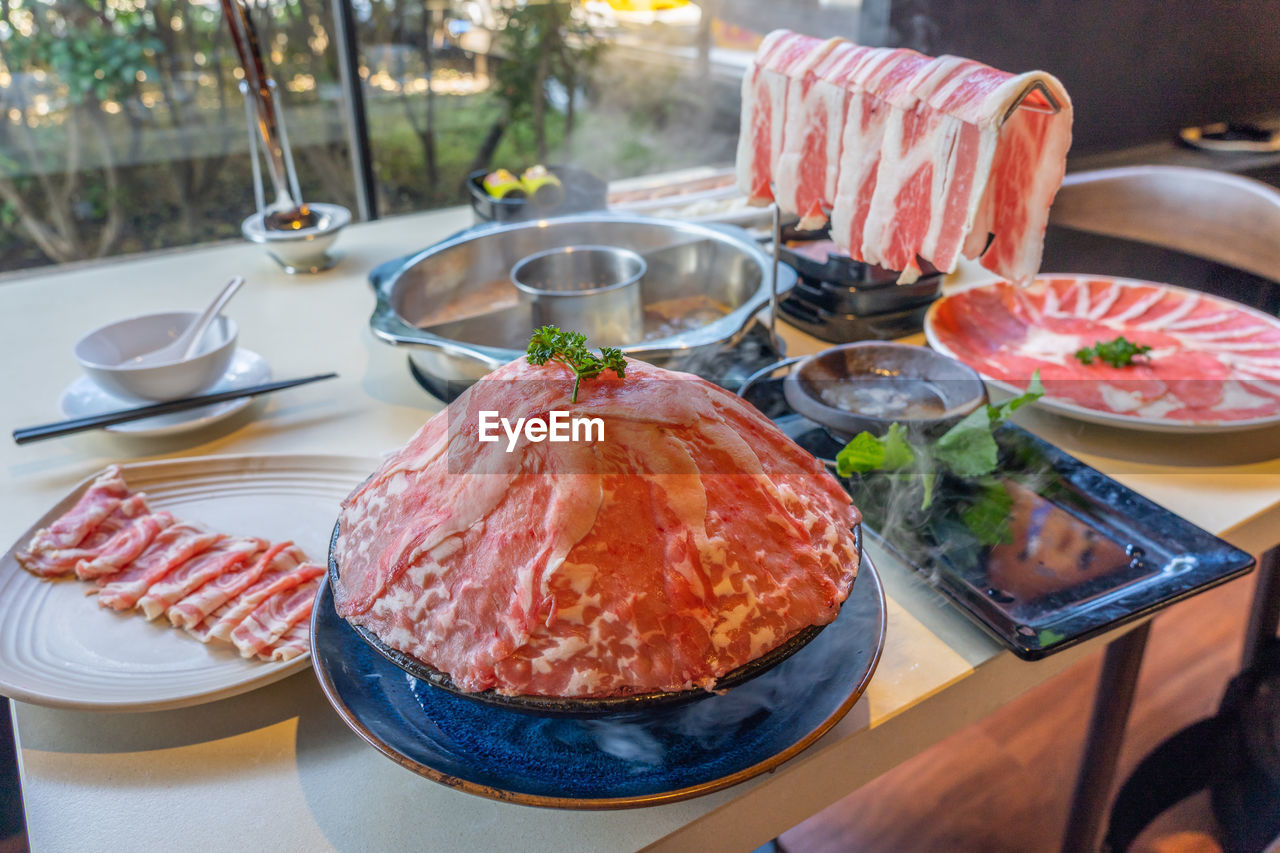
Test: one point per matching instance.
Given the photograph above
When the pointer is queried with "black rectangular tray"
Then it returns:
(1132, 556)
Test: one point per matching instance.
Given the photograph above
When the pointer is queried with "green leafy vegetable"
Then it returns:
(968, 448)
(1117, 353)
(988, 515)
(570, 349)
(868, 453)
(968, 451)
(897, 449)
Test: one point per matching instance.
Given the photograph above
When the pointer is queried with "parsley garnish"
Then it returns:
(968, 451)
(570, 349)
(1117, 353)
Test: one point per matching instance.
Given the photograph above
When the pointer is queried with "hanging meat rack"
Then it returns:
(1051, 106)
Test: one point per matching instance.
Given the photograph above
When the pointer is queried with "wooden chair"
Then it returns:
(1223, 217)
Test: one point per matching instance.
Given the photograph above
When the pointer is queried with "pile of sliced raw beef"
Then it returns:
(241, 590)
(910, 156)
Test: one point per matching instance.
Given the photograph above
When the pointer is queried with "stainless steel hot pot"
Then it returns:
(455, 309)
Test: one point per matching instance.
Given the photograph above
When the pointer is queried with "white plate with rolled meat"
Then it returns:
(165, 584)
(694, 539)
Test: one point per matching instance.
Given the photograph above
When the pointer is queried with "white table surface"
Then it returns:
(276, 769)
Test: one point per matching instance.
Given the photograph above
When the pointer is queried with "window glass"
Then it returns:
(122, 128)
(618, 87)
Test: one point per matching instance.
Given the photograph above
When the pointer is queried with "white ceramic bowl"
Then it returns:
(109, 354)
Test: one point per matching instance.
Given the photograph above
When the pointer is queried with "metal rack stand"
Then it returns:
(1051, 107)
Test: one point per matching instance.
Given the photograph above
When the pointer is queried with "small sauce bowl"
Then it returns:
(867, 386)
(109, 356)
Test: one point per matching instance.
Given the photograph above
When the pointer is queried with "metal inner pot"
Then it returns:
(591, 289)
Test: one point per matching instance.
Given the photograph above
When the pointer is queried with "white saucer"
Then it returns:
(84, 397)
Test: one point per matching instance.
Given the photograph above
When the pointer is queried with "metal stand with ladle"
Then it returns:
(297, 234)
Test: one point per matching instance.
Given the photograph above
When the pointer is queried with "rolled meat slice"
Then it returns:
(273, 618)
(123, 547)
(57, 562)
(171, 548)
(191, 611)
(221, 623)
(199, 570)
(98, 502)
(296, 641)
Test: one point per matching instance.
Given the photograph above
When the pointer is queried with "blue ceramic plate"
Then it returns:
(633, 758)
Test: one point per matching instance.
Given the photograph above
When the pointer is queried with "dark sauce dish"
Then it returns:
(557, 706)
(871, 385)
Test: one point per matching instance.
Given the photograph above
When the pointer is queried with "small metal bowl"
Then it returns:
(305, 250)
(594, 290)
(559, 706)
(870, 385)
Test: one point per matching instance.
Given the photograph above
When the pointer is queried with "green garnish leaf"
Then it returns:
(1118, 353)
(549, 343)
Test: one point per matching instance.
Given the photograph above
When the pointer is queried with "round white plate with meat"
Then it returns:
(59, 648)
(1213, 364)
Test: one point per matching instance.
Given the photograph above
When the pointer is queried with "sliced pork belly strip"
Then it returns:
(296, 641)
(98, 502)
(271, 619)
(917, 169)
(192, 610)
(269, 585)
(693, 538)
(764, 95)
(1030, 161)
(55, 562)
(817, 102)
(879, 72)
(172, 547)
(124, 547)
(926, 163)
(200, 569)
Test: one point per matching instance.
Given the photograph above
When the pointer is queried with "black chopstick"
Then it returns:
(53, 430)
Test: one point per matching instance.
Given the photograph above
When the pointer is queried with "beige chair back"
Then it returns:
(1215, 215)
